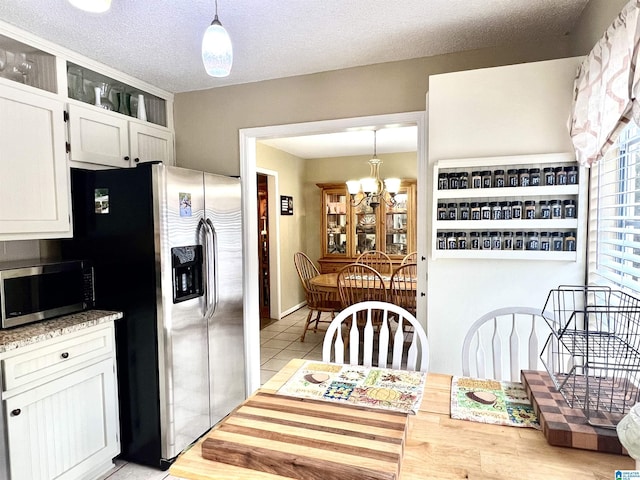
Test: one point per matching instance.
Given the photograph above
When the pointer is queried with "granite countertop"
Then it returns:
(37, 332)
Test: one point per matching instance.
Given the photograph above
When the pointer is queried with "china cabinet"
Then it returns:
(51, 118)
(348, 230)
(516, 207)
(60, 405)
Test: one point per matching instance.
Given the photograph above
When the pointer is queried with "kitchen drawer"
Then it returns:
(56, 355)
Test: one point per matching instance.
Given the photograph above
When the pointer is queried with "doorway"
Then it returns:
(264, 277)
(248, 139)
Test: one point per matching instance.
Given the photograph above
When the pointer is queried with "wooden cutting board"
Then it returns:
(309, 439)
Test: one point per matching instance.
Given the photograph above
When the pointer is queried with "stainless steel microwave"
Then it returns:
(35, 290)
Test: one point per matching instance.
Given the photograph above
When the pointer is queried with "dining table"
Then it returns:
(433, 445)
(328, 282)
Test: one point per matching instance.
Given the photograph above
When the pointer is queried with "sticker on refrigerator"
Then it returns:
(185, 204)
(101, 199)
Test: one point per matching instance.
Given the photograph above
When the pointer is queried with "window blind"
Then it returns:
(614, 215)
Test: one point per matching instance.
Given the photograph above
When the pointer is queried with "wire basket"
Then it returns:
(593, 352)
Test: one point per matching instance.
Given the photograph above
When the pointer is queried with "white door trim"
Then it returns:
(248, 138)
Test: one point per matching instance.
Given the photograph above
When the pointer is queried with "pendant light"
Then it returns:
(93, 6)
(217, 52)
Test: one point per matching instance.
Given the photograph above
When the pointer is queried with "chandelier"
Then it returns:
(371, 190)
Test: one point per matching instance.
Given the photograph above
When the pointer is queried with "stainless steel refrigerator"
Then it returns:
(166, 247)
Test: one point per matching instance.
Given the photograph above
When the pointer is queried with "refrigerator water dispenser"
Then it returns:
(187, 266)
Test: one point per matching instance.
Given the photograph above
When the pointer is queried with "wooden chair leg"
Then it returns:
(306, 325)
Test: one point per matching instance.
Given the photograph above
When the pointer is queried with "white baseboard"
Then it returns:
(292, 309)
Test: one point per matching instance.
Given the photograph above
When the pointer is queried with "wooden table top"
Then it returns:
(328, 282)
(438, 447)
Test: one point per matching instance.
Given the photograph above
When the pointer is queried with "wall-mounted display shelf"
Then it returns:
(514, 207)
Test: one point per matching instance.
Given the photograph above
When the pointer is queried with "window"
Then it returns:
(614, 215)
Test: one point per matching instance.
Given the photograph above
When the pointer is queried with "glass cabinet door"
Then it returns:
(366, 224)
(335, 223)
(396, 225)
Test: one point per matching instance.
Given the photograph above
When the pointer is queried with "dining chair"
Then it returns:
(402, 287)
(377, 260)
(506, 339)
(317, 302)
(408, 351)
(358, 283)
(411, 257)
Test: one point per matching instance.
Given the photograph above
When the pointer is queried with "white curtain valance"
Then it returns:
(605, 88)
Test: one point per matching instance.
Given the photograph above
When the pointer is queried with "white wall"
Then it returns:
(514, 110)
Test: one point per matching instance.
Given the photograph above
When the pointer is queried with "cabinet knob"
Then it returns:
(136, 159)
(126, 159)
(64, 355)
(16, 412)
(422, 294)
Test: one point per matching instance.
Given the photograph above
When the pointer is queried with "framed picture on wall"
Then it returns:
(286, 205)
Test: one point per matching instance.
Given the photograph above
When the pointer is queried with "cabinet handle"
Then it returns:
(16, 412)
(126, 159)
(136, 159)
(64, 355)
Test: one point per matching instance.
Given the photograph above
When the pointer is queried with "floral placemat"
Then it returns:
(397, 390)
(491, 401)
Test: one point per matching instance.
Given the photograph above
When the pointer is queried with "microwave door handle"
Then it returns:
(202, 227)
(214, 250)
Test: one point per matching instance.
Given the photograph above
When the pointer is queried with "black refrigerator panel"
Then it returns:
(113, 226)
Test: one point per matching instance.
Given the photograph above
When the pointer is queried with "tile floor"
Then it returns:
(279, 343)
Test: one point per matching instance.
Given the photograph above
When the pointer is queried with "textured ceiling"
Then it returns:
(159, 40)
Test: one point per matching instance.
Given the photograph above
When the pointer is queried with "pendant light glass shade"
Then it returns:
(217, 52)
(94, 6)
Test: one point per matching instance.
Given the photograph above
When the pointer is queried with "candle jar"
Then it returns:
(485, 244)
(485, 211)
(452, 241)
(518, 242)
(507, 240)
(570, 241)
(530, 209)
(452, 211)
(476, 179)
(442, 211)
(453, 181)
(474, 241)
(496, 211)
(569, 208)
(462, 240)
(443, 181)
(512, 177)
(545, 244)
(463, 180)
(486, 179)
(557, 242)
(516, 210)
(464, 211)
(549, 176)
(533, 241)
(442, 240)
(545, 210)
(534, 177)
(496, 241)
(475, 211)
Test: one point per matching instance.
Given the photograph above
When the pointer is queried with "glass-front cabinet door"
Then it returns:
(335, 203)
(366, 225)
(399, 223)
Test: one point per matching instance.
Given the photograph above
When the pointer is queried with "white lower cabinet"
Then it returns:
(64, 425)
(110, 139)
(34, 180)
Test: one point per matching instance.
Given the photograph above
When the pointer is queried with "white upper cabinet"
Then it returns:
(34, 178)
(39, 141)
(110, 139)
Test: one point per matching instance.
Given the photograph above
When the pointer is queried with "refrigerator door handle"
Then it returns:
(213, 279)
(207, 261)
